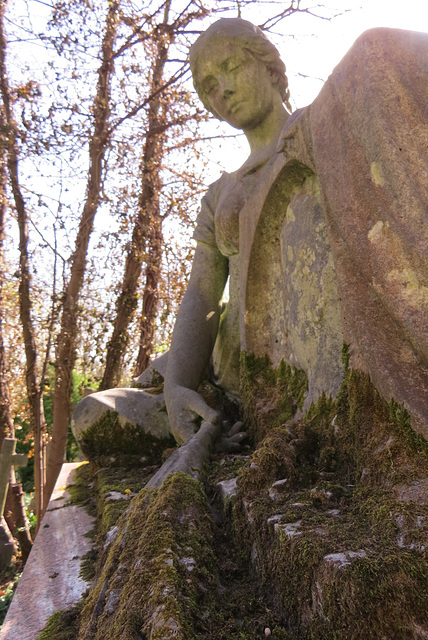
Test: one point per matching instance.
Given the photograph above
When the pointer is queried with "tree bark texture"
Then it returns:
(147, 226)
(150, 297)
(25, 305)
(66, 345)
(6, 425)
(14, 514)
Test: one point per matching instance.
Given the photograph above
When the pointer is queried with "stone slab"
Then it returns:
(50, 581)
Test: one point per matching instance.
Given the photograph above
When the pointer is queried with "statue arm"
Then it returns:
(193, 340)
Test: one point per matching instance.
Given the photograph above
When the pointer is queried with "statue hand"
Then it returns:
(232, 438)
(185, 407)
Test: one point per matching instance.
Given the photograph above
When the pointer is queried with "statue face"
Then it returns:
(236, 86)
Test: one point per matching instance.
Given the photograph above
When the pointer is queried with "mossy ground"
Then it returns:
(334, 509)
(325, 539)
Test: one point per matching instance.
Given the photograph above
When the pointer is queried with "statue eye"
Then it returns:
(235, 67)
(209, 85)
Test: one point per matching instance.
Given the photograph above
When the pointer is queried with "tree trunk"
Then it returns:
(6, 425)
(150, 298)
(18, 523)
(33, 389)
(66, 345)
(148, 217)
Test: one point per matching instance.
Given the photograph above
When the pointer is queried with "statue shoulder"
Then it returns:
(215, 189)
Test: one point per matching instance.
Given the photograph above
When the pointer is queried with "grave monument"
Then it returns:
(322, 232)
(323, 345)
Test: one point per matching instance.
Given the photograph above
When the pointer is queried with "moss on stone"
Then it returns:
(153, 575)
(154, 386)
(401, 419)
(81, 491)
(334, 513)
(109, 442)
(113, 482)
(270, 396)
(62, 625)
(87, 565)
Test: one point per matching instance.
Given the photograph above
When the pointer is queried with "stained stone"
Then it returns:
(228, 488)
(51, 581)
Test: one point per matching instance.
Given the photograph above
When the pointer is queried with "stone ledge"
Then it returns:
(51, 580)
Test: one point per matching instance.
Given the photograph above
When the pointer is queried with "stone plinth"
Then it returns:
(51, 581)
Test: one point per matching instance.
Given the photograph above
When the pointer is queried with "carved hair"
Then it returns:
(250, 38)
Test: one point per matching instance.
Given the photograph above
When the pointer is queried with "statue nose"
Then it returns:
(226, 87)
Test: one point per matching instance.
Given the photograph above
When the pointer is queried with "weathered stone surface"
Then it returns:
(51, 580)
(228, 488)
(369, 136)
(132, 405)
(290, 304)
(417, 491)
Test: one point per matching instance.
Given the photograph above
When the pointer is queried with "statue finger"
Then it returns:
(239, 437)
(225, 445)
(200, 407)
(237, 428)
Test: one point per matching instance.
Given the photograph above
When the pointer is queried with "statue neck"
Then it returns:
(263, 138)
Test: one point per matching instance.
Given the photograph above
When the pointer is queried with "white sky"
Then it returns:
(316, 55)
(312, 47)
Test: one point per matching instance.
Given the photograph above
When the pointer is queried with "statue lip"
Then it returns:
(234, 105)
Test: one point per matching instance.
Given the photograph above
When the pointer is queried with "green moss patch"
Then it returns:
(62, 625)
(115, 488)
(333, 510)
(270, 396)
(153, 576)
(109, 442)
(81, 492)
